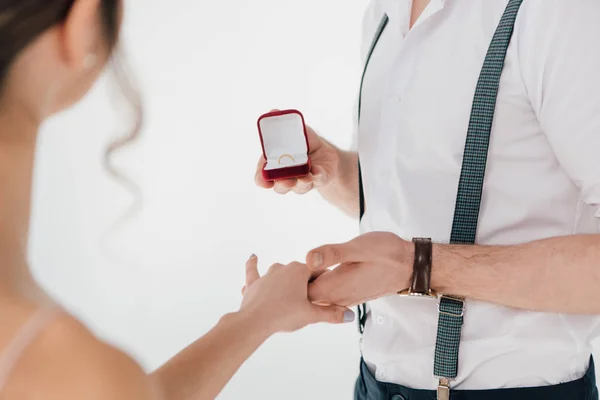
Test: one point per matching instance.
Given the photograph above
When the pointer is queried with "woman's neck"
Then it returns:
(18, 133)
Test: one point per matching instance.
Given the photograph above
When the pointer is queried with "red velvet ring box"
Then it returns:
(284, 144)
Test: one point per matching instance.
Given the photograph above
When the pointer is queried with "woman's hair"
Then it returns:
(23, 21)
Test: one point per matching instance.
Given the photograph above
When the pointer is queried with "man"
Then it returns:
(519, 297)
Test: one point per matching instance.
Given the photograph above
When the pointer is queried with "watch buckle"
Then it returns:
(412, 293)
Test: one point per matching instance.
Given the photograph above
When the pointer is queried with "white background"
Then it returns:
(207, 70)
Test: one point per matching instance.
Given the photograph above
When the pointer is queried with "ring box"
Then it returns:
(285, 145)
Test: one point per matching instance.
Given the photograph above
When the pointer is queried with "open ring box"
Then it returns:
(285, 145)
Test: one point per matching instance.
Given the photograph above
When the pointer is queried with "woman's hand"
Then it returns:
(279, 299)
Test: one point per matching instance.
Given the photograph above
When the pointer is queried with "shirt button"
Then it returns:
(398, 397)
(380, 374)
(380, 320)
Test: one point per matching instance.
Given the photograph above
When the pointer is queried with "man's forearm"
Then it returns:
(342, 191)
(555, 275)
(202, 370)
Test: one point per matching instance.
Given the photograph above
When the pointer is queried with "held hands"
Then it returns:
(279, 299)
(324, 167)
(371, 266)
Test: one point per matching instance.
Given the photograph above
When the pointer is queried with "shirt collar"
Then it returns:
(399, 10)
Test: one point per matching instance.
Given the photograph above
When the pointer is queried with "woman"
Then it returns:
(51, 53)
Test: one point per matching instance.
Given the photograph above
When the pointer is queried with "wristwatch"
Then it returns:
(421, 277)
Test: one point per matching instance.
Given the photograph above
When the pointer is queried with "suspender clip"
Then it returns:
(443, 391)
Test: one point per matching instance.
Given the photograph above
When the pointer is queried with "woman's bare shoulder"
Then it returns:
(67, 361)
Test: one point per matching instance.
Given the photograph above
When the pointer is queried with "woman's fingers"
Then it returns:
(252, 274)
(274, 268)
(332, 314)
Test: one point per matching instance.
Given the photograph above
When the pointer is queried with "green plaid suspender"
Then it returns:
(470, 186)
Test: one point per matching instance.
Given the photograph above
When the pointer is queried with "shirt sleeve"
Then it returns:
(371, 20)
(561, 70)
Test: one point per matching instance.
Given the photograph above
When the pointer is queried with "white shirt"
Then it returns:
(542, 180)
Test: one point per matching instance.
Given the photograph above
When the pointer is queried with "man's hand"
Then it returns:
(325, 160)
(371, 266)
(334, 173)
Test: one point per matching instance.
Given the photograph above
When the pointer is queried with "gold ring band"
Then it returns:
(284, 156)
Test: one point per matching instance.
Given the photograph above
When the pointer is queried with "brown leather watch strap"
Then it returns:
(421, 278)
(422, 268)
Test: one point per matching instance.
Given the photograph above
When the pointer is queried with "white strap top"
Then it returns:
(24, 337)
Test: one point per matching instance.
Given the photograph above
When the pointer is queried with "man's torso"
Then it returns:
(416, 102)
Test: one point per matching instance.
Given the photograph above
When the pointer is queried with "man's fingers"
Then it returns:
(262, 183)
(351, 284)
(305, 180)
(284, 186)
(336, 286)
(365, 248)
(319, 176)
(334, 254)
(303, 185)
(317, 273)
(252, 274)
(314, 141)
(333, 314)
(258, 178)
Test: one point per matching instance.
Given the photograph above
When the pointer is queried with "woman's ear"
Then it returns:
(82, 37)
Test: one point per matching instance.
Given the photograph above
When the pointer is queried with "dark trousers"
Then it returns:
(368, 388)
